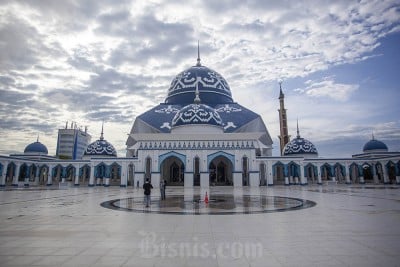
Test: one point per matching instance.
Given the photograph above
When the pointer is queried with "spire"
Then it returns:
(373, 137)
(101, 136)
(197, 99)
(281, 95)
(298, 132)
(198, 54)
(37, 140)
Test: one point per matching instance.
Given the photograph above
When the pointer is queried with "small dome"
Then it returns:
(213, 87)
(299, 146)
(196, 114)
(36, 147)
(375, 146)
(100, 148)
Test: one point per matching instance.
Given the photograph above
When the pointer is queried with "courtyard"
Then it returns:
(330, 225)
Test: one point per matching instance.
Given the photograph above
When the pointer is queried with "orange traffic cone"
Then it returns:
(206, 198)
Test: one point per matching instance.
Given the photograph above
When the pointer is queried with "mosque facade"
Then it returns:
(199, 136)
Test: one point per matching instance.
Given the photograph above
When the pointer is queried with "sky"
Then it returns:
(102, 60)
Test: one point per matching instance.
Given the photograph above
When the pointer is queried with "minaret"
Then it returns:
(284, 137)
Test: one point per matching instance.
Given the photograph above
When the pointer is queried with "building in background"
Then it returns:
(72, 142)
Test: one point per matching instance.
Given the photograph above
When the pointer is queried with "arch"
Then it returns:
(223, 154)
(32, 173)
(43, 174)
(70, 173)
(114, 173)
(162, 157)
(172, 170)
(84, 174)
(58, 172)
(10, 173)
(196, 171)
(391, 171)
(279, 172)
(100, 171)
(339, 172)
(23, 172)
(354, 173)
(367, 172)
(311, 172)
(326, 172)
(220, 171)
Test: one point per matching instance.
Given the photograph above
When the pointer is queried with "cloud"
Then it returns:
(100, 60)
(328, 88)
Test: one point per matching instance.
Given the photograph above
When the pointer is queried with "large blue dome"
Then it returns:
(36, 147)
(196, 114)
(375, 146)
(212, 86)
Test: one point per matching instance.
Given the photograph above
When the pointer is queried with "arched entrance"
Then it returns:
(115, 174)
(84, 174)
(367, 173)
(172, 170)
(279, 173)
(311, 173)
(220, 171)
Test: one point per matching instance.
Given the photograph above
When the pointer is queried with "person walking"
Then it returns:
(147, 186)
(162, 188)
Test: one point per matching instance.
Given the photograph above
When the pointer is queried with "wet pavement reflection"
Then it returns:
(220, 204)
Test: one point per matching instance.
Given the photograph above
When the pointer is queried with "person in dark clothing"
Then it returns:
(147, 186)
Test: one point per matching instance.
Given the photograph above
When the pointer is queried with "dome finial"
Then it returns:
(37, 140)
(298, 132)
(101, 136)
(197, 99)
(373, 137)
(198, 53)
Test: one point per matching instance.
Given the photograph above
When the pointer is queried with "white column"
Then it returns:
(91, 179)
(49, 176)
(385, 173)
(204, 180)
(77, 169)
(124, 175)
(3, 173)
(270, 178)
(16, 176)
(374, 173)
(254, 179)
(347, 174)
(237, 179)
(188, 181)
(303, 179)
(319, 176)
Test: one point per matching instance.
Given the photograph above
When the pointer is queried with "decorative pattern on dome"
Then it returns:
(101, 148)
(197, 114)
(169, 109)
(299, 146)
(210, 82)
(228, 109)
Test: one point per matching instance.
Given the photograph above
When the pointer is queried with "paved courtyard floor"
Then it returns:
(100, 226)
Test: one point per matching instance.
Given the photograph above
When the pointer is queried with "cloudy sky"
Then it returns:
(95, 60)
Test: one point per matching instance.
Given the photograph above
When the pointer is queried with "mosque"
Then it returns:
(201, 137)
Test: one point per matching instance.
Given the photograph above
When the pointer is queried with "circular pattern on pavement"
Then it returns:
(222, 204)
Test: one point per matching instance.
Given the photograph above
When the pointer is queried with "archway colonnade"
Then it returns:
(216, 169)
